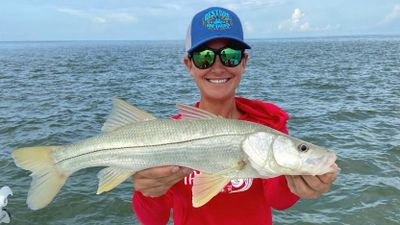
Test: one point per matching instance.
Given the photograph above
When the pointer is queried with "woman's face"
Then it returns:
(218, 82)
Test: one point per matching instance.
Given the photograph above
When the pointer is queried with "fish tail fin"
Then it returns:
(46, 179)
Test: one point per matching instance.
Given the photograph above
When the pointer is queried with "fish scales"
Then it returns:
(221, 149)
(160, 142)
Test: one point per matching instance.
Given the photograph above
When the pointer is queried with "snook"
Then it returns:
(134, 140)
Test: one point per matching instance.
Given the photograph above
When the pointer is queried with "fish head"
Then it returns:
(279, 154)
(301, 157)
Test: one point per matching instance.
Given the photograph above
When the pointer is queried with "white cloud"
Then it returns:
(245, 4)
(262, 3)
(248, 28)
(394, 14)
(99, 20)
(331, 27)
(100, 16)
(121, 17)
(296, 16)
(295, 23)
(73, 12)
(298, 23)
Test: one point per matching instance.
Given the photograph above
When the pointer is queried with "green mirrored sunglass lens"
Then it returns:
(231, 57)
(204, 58)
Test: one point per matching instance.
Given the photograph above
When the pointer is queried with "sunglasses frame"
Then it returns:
(216, 52)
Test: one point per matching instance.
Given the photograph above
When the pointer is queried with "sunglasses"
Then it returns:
(205, 58)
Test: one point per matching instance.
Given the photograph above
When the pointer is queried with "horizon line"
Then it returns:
(248, 39)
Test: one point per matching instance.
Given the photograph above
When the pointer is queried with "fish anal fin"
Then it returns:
(206, 186)
(111, 177)
(123, 114)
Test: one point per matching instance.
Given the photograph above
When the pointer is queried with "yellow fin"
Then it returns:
(206, 186)
(46, 179)
(123, 114)
(111, 177)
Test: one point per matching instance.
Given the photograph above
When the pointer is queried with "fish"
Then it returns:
(133, 140)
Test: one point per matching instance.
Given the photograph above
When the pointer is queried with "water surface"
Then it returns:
(342, 93)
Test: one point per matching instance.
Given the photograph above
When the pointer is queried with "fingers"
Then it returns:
(310, 186)
(158, 172)
(298, 186)
(328, 178)
(156, 181)
(291, 184)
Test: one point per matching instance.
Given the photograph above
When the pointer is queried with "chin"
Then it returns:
(219, 95)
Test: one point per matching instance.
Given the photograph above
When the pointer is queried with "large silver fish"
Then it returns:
(222, 149)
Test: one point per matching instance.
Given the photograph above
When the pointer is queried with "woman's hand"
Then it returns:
(310, 187)
(154, 182)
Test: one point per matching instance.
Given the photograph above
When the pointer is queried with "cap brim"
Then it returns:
(241, 42)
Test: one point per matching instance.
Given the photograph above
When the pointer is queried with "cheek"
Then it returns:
(237, 71)
(285, 153)
(196, 73)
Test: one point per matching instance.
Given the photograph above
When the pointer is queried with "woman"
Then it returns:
(217, 32)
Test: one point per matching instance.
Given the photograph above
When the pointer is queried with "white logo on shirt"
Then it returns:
(234, 186)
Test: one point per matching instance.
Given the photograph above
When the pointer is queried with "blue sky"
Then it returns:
(22, 20)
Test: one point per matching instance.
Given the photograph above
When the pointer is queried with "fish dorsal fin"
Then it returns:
(193, 113)
(122, 114)
(206, 186)
(111, 177)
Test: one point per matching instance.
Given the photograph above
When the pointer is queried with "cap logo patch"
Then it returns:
(217, 19)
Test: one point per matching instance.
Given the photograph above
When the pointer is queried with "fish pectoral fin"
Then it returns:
(193, 113)
(111, 177)
(123, 114)
(206, 186)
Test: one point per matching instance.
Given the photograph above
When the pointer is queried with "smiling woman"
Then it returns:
(216, 59)
(217, 82)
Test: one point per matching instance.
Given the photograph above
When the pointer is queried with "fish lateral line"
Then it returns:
(143, 146)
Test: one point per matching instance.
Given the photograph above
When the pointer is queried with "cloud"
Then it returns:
(298, 23)
(100, 16)
(121, 17)
(98, 20)
(263, 2)
(295, 23)
(248, 27)
(245, 4)
(73, 12)
(393, 15)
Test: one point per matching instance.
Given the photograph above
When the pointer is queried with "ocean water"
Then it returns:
(341, 92)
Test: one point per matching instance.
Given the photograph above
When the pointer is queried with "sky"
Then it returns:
(36, 20)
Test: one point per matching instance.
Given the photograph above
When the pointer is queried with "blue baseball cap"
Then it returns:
(214, 23)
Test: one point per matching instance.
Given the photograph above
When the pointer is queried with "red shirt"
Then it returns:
(243, 201)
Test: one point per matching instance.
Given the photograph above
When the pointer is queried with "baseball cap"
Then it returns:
(214, 23)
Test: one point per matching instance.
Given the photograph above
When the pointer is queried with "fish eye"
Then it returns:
(303, 147)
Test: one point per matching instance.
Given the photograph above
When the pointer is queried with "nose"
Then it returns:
(217, 66)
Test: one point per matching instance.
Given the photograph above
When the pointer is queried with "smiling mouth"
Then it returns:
(218, 81)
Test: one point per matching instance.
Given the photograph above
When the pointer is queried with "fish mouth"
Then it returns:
(218, 80)
(323, 164)
(328, 165)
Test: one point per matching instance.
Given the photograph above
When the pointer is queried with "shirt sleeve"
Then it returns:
(278, 194)
(152, 211)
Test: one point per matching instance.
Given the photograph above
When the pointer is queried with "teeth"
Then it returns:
(218, 81)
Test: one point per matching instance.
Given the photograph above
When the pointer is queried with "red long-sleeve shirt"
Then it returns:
(243, 201)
